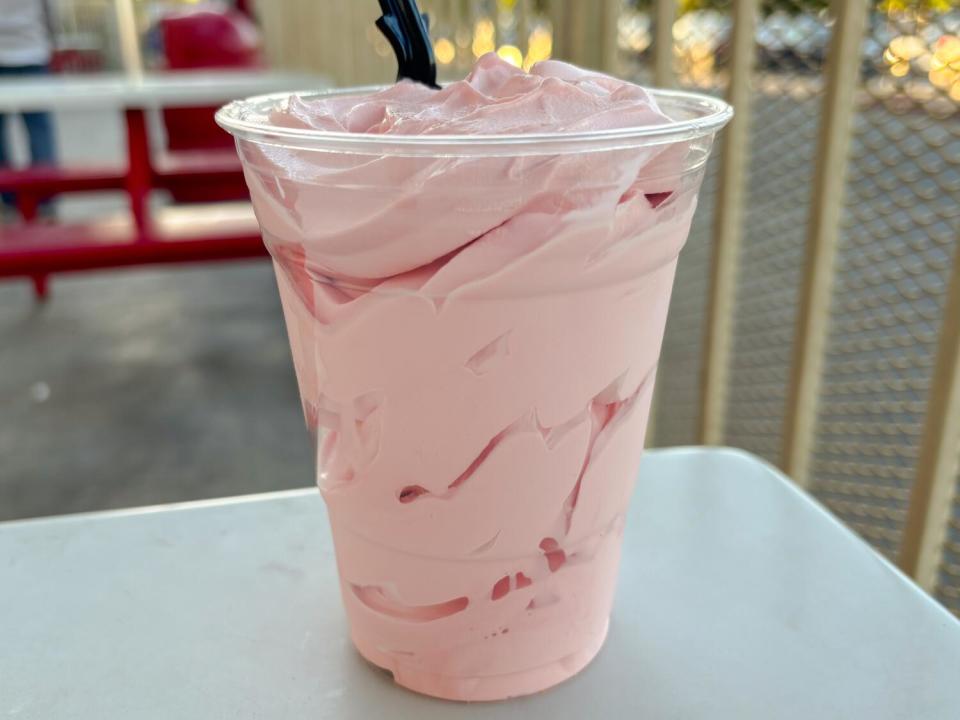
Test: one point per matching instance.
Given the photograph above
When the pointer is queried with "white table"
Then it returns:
(172, 89)
(740, 599)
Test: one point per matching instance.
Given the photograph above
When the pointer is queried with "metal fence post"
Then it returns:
(663, 77)
(556, 11)
(129, 33)
(729, 220)
(666, 15)
(609, 36)
(826, 204)
(522, 12)
(933, 489)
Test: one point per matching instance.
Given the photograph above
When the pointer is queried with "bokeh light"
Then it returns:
(484, 34)
(512, 54)
(539, 47)
(945, 66)
(445, 51)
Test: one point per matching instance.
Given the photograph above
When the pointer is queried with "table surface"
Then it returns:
(739, 598)
(171, 89)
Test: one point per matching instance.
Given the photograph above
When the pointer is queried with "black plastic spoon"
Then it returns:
(407, 29)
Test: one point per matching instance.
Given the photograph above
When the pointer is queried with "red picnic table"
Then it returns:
(169, 235)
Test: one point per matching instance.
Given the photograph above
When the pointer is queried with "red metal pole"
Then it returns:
(27, 204)
(41, 287)
(140, 170)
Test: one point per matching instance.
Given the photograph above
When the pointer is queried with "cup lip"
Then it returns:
(246, 119)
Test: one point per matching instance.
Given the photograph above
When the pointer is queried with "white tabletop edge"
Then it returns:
(269, 495)
(824, 513)
(160, 508)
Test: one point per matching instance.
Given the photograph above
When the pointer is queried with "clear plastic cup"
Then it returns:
(475, 324)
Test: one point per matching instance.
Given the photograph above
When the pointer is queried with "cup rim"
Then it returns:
(248, 119)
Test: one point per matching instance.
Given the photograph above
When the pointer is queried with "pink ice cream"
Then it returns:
(475, 337)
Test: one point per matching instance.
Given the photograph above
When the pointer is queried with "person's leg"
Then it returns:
(40, 131)
(43, 147)
(6, 199)
(4, 157)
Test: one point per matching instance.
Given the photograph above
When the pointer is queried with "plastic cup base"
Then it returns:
(486, 688)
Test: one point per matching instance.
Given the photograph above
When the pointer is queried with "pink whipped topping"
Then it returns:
(495, 99)
(475, 337)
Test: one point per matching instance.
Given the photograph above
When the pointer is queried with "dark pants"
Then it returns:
(43, 148)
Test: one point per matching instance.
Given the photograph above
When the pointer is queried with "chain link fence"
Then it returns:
(791, 44)
(901, 222)
(701, 43)
(899, 234)
(948, 579)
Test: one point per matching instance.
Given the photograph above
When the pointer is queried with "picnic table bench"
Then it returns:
(192, 234)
